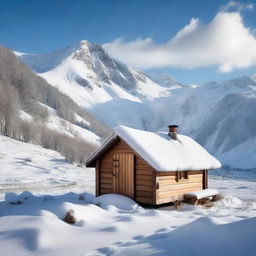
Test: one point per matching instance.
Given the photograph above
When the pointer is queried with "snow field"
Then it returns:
(35, 226)
(25, 166)
(31, 223)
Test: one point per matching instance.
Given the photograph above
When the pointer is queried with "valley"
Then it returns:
(128, 128)
(219, 115)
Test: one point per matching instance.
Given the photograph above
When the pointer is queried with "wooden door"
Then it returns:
(123, 174)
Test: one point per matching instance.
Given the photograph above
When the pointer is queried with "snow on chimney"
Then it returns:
(173, 131)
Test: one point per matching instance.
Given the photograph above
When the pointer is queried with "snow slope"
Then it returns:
(109, 89)
(24, 166)
(166, 80)
(219, 115)
(54, 122)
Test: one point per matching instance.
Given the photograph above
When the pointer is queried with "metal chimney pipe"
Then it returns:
(173, 131)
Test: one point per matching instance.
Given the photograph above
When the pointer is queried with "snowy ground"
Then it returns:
(239, 183)
(30, 167)
(31, 223)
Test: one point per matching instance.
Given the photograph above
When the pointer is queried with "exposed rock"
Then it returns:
(70, 217)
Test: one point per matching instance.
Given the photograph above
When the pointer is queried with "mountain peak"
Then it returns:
(86, 46)
(82, 45)
(84, 50)
(84, 42)
(86, 64)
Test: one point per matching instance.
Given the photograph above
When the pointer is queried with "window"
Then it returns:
(183, 175)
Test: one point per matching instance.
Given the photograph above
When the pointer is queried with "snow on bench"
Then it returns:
(201, 194)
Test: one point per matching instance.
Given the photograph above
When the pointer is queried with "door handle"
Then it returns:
(115, 163)
(114, 173)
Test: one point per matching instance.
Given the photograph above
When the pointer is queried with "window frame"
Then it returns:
(181, 175)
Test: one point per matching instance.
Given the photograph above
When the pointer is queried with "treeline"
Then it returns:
(33, 90)
(74, 149)
(21, 89)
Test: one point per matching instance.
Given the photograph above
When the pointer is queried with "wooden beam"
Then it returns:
(154, 188)
(135, 176)
(177, 176)
(97, 178)
(205, 179)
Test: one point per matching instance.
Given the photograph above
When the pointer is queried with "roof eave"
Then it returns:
(91, 161)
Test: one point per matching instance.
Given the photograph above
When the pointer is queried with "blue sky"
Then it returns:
(43, 26)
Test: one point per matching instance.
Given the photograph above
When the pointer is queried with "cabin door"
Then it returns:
(123, 174)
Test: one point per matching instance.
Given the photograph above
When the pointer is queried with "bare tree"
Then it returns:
(21, 89)
(27, 131)
(9, 107)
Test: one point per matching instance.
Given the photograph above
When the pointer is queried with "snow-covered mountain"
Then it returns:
(31, 110)
(109, 89)
(220, 115)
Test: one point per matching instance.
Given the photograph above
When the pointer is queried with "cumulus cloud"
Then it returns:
(225, 43)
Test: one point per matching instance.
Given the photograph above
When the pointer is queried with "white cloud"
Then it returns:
(225, 42)
(236, 6)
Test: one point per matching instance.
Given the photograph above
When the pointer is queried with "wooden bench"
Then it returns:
(200, 195)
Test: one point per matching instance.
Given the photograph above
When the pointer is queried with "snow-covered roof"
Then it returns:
(164, 153)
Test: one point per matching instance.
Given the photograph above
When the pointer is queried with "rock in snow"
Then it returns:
(70, 217)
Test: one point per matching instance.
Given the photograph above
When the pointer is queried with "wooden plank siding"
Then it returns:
(150, 186)
(170, 189)
(144, 182)
(143, 174)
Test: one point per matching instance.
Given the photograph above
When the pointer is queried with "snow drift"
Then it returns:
(36, 227)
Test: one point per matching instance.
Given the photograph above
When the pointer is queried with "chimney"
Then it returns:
(173, 131)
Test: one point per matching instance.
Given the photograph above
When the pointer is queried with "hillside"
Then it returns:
(219, 115)
(24, 166)
(31, 110)
(107, 88)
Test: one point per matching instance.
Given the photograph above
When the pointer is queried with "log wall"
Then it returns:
(144, 183)
(168, 188)
(150, 187)
(143, 174)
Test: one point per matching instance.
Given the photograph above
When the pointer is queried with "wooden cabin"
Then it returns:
(151, 167)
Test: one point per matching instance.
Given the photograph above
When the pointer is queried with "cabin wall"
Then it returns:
(144, 182)
(150, 187)
(143, 174)
(170, 189)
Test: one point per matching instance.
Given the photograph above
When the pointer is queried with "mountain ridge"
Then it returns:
(31, 110)
(118, 94)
